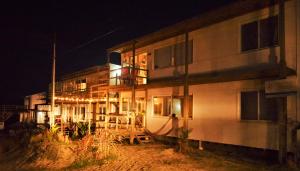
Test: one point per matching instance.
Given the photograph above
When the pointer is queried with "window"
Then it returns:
(125, 104)
(178, 104)
(179, 53)
(163, 57)
(259, 34)
(164, 106)
(81, 85)
(255, 106)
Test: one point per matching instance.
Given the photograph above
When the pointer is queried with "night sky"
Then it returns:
(27, 29)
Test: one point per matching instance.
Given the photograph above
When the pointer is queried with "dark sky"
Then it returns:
(27, 29)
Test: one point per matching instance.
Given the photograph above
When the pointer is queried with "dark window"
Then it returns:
(179, 53)
(163, 57)
(251, 101)
(250, 36)
(269, 32)
(249, 105)
(268, 108)
(259, 34)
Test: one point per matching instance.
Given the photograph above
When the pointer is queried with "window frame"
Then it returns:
(171, 108)
(258, 20)
(190, 42)
(259, 93)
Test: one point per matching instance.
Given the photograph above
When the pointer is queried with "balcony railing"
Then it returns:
(126, 75)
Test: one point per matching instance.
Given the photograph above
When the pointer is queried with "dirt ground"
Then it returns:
(153, 156)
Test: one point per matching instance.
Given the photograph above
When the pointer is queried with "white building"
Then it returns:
(234, 64)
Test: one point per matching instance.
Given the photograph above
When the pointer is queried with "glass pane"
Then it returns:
(269, 32)
(268, 108)
(157, 105)
(179, 53)
(249, 36)
(249, 105)
(162, 57)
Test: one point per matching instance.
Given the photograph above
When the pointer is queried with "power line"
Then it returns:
(92, 40)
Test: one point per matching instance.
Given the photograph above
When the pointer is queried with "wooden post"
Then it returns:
(282, 122)
(61, 117)
(52, 121)
(107, 110)
(186, 83)
(89, 116)
(132, 108)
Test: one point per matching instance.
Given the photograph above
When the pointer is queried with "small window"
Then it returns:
(269, 32)
(255, 106)
(162, 106)
(259, 34)
(125, 104)
(249, 105)
(179, 53)
(81, 85)
(163, 57)
(178, 105)
(249, 36)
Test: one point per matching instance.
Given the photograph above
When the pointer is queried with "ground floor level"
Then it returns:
(238, 113)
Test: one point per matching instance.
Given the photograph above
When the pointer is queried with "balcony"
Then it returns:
(126, 75)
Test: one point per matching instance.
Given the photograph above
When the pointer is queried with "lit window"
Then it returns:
(81, 85)
(162, 106)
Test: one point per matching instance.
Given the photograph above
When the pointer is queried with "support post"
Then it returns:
(186, 82)
(282, 104)
(53, 83)
(107, 110)
(89, 116)
(282, 127)
(132, 107)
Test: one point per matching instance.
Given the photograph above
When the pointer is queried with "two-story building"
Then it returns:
(238, 81)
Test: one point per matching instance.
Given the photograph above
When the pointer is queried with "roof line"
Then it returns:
(208, 18)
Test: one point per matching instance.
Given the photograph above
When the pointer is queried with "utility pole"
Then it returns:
(282, 101)
(53, 82)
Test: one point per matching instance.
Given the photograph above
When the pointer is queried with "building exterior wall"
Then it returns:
(216, 115)
(218, 47)
(216, 107)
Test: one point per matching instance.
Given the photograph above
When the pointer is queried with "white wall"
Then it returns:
(217, 47)
(216, 115)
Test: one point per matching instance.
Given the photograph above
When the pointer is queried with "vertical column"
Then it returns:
(89, 116)
(186, 83)
(107, 110)
(282, 122)
(132, 107)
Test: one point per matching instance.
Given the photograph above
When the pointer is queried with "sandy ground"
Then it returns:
(153, 156)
